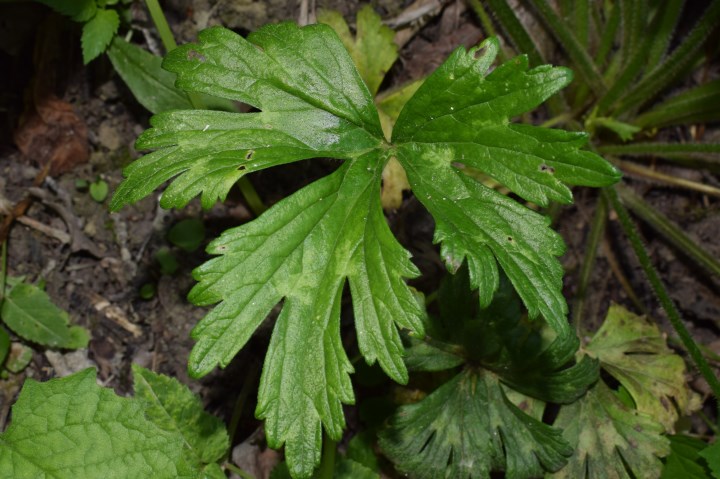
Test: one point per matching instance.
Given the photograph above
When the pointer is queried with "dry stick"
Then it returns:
(661, 292)
(22, 206)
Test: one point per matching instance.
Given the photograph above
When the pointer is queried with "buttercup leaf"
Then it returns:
(312, 103)
(634, 352)
(610, 441)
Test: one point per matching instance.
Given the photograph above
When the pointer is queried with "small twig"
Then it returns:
(59, 235)
(22, 206)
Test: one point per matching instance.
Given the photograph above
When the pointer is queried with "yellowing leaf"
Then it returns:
(634, 351)
(372, 49)
(610, 441)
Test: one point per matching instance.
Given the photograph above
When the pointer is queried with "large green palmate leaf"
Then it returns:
(313, 103)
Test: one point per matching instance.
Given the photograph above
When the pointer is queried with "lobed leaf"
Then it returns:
(461, 117)
(634, 352)
(609, 440)
(468, 428)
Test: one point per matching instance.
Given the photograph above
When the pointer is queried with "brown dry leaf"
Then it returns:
(53, 133)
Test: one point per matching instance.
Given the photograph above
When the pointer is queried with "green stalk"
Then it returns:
(166, 36)
(597, 228)
(665, 227)
(661, 292)
(158, 18)
(327, 463)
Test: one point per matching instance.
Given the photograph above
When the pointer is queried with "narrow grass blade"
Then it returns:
(701, 154)
(697, 105)
(669, 71)
(575, 50)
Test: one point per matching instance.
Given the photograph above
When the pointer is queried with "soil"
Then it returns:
(94, 263)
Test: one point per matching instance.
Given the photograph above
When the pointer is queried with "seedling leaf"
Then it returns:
(633, 351)
(98, 33)
(187, 234)
(313, 103)
(610, 440)
(28, 311)
(71, 427)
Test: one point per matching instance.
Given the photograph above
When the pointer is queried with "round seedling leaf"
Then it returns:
(187, 234)
(166, 260)
(99, 190)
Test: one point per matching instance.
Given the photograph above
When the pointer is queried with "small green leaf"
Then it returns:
(187, 234)
(373, 49)
(685, 459)
(634, 351)
(78, 10)
(610, 440)
(468, 428)
(147, 291)
(168, 264)
(712, 456)
(172, 407)
(18, 358)
(98, 33)
(28, 311)
(99, 190)
(71, 427)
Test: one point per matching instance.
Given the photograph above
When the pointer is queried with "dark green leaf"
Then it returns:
(468, 428)
(712, 455)
(187, 234)
(98, 33)
(609, 440)
(168, 263)
(685, 459)
(78, 10)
